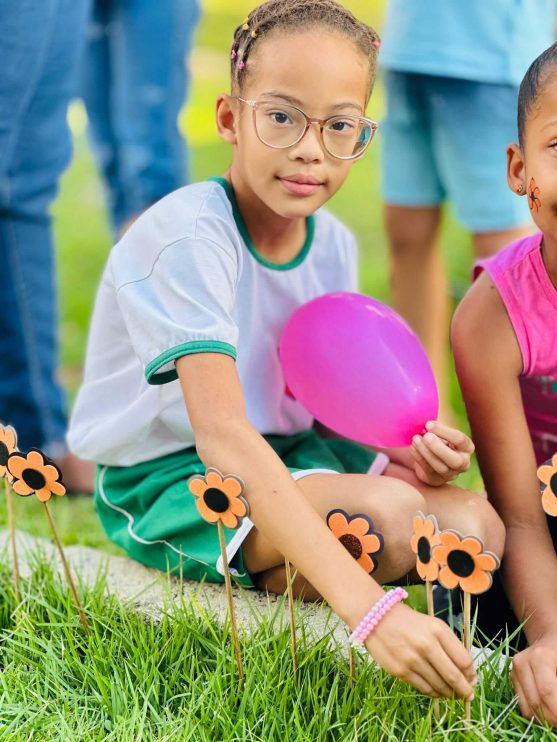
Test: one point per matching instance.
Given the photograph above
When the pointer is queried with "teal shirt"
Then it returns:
(486, 40)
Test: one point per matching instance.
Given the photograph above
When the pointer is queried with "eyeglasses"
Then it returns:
(280, 125)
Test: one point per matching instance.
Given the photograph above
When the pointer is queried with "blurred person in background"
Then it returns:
(135, 81)
(451, 72)
(40, 45)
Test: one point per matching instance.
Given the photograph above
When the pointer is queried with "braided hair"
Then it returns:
(293, 16)
(538, 74)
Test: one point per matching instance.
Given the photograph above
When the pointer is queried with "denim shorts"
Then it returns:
(446, 138)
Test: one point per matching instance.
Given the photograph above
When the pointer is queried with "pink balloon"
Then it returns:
(359, 369)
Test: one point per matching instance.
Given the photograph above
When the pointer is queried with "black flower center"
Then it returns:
(3, 454)
(552, 481)
(352, 544)
(461, 563)
(424, 550)
(33, 479)
(216, 500)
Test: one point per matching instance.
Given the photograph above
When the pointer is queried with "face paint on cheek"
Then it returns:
(533, 197)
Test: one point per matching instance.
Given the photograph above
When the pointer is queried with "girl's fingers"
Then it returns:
(438, 466)
(424, 472)
(528, 684)
(453, 459)
(543, 671)
(433, 480)
(419, 459)
(523, 704)
(422, 685)
(458, 439)
(433, 678)
(452, 676)
(457, 653)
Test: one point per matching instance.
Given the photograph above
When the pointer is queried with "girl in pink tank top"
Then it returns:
(519, 275)
(504, 337)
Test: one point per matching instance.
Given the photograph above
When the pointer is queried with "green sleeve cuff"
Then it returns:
(155, 376)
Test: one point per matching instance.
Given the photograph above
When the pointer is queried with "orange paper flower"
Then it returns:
(219, 498)
(463, 562)
(547, 474)
(8, 444)
(34, 473)
(358, 536)
(533, 193)
(425, 537)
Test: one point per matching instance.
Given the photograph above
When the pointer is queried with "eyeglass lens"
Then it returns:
(281, 125)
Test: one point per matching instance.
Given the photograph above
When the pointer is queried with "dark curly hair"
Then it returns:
(538, 73)
(293, 15)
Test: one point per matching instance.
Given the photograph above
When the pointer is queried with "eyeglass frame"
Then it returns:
(309, 121)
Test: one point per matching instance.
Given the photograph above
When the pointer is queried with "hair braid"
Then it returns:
(293, 16)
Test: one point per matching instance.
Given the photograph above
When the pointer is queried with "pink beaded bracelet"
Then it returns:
(378, 610)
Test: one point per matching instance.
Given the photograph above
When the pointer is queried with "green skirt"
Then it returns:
(147, 508)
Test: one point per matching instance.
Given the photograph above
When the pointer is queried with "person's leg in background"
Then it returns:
(96, 89)
(138, 52)
(473, 123)
(413, 194)
(40, 44)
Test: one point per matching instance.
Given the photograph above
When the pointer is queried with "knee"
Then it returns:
(481, 519)
(402, 501)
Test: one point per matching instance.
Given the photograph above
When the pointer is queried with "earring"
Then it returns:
(520, 188)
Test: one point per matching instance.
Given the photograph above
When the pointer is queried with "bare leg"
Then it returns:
(489, 243)
(467, 512)
(419, 282)
(391, 504)
(274, 580)
(78, 475)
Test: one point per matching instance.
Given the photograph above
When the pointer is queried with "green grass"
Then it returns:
(176, 680)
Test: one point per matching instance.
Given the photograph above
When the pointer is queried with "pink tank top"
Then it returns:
(530, 299)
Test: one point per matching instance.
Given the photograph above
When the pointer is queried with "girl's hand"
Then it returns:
(424, 652)
(535, 680)
(441, 454)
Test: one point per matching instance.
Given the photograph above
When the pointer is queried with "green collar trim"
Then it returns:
(240, 223)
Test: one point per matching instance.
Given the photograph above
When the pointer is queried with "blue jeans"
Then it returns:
(39, 47)
(134, 83)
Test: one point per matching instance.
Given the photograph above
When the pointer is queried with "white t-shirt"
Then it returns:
(186, 278)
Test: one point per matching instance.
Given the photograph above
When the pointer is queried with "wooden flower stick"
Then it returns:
(11, 528)
(229, 596)
(8, 446)
(219, 500)
(33, 473)
(82, 616)
(468, 647)
(360, 539)
(464, 563)
(431, 612)
(351, 664)
(293, 641)
(424, 538)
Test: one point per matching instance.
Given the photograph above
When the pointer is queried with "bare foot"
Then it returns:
(78, 475)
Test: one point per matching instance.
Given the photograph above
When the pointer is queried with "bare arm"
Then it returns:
(225, 439)
(488, 363)
(417, 648)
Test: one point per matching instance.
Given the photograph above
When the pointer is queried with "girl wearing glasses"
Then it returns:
(190, 309)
